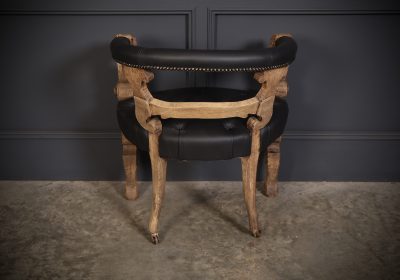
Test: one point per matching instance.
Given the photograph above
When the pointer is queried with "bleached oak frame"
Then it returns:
(132, 82)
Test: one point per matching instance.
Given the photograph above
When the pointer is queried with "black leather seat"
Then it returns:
(195, 139)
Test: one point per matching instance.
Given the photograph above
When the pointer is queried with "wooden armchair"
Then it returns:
(202, 123)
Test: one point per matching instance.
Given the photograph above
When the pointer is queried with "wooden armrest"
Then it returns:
(273, 83)
(204, 110)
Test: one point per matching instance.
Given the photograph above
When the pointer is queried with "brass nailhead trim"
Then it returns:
(246, 69)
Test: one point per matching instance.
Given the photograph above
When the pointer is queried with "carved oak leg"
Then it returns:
(158, 168)
(129, 158)
(272, 160)
(249, 173)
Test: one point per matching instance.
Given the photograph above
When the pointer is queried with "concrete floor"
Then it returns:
(87, 230)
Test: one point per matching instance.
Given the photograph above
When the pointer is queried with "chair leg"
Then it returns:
(249, 173)
(272, 160)
(129, 158)
(158, 168)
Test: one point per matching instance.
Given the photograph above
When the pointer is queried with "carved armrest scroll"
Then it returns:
(132, 82)
(273, 83)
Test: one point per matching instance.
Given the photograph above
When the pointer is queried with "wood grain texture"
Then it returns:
(272, 162)
(144, 115)
(138, 80)
(264, 114)
(204, 110)
(249, 173)
(123, 90)
(136, 86)
(272, 81)
(159, 169)
(133, 83)
(129, 158)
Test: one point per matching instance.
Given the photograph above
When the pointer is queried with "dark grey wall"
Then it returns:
(57, 109)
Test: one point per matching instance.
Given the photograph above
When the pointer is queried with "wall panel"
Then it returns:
(57, 109)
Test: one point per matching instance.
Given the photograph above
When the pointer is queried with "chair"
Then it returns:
(202, 123)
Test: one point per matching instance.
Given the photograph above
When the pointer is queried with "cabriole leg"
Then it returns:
(272, 160)
(129, 158)
(249, 173)
(158, 168)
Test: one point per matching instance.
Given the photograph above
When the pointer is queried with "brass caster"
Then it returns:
(154, 238)
(256, 233)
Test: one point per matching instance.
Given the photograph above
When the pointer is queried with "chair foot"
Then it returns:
(155, 238)
(129, 159)
(256, 233)
(131, 193)
(271, 190)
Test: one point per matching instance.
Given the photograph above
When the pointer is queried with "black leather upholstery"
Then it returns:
(195, 139)
(204, 60)
(204, 94)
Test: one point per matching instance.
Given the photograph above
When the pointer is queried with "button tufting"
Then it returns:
(195, 139)
(228, 125)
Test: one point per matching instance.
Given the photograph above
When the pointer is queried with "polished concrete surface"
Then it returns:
(87, 230)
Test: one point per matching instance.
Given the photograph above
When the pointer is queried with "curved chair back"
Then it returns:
(270, 64)
(125, 51)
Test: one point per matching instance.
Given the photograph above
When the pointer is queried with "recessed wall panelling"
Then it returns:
(346, 71)
(57, 107)
(57, 72)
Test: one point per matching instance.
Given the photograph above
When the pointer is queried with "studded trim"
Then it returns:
(203, 69)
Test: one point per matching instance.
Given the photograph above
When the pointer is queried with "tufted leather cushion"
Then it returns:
(281, 55)
(199, 139)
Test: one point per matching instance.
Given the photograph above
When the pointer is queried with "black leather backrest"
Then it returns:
(281, 55)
